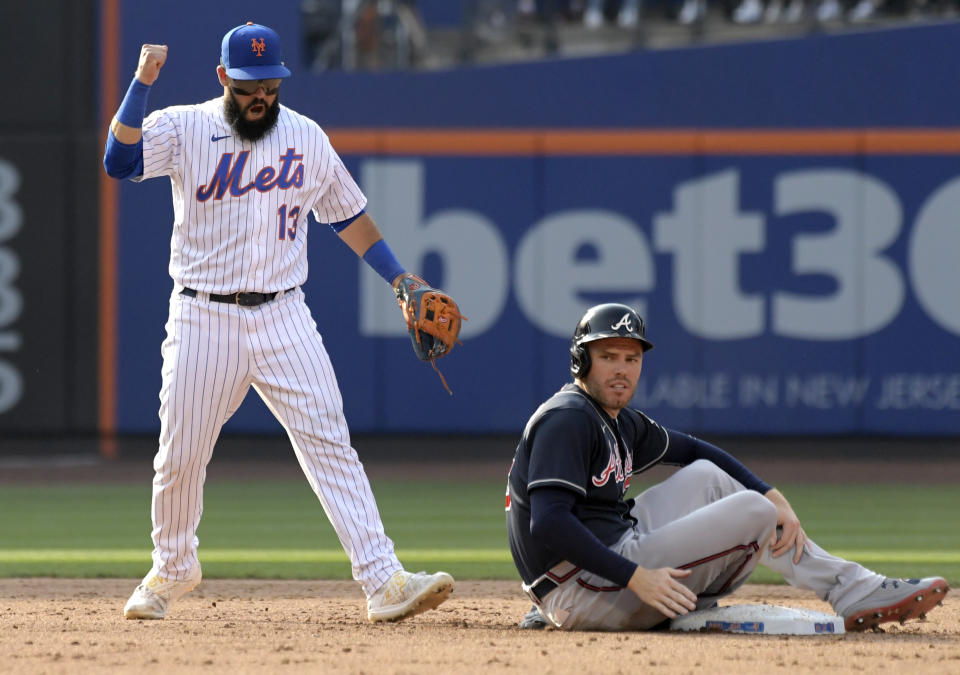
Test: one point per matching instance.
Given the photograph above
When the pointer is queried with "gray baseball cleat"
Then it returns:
(405, 595)
(153, 597)
(896, 600)
(534, 620)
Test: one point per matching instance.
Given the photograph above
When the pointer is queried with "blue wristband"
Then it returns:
(134, 105)
(381, 259)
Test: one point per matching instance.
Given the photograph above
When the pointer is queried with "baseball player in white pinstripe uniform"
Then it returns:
(245, 171)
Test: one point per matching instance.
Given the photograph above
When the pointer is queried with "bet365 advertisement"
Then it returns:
(786, 222)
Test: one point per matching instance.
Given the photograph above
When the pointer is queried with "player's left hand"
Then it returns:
(152, 58)
(433, 319)
(792, 534)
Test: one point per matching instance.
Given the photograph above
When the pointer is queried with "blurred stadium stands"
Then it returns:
(433, 34)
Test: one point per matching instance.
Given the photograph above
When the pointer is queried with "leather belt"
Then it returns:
(541, 588)
(550, 580)
(242, 299)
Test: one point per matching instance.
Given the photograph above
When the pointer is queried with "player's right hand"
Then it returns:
(152, 58)
(660, 589)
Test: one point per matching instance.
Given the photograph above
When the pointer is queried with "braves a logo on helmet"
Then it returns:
(624, 321)
(258, 46)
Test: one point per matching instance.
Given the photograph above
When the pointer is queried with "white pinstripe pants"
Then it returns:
(213, 354)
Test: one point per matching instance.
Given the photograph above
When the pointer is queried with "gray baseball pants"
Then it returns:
(704, 520)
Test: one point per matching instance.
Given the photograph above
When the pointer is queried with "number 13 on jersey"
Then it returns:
(288, 230)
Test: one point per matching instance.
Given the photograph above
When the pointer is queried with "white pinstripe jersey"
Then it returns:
(240, 208)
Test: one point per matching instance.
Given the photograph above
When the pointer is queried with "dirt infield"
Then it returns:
(75, 626)
(257, 626)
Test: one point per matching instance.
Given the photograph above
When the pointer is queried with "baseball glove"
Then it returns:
(433, 320)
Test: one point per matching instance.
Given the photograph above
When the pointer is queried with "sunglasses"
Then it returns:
(250, 87)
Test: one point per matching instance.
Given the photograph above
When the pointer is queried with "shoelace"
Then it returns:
(149, 592)
(395, 588)
(154, 583)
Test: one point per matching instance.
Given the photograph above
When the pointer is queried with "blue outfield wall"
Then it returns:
(787, 292)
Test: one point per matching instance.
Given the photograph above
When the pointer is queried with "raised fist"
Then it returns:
(152, 58)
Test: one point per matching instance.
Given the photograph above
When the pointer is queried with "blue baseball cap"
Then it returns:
(252, 52)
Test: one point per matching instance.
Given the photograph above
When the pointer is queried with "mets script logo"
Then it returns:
(227, 177)
(257, 46)
(625, 322)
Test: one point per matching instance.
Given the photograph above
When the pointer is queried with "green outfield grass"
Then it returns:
(277, 529)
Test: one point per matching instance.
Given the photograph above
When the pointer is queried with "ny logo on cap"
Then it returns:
(258, 46)
(624, 321)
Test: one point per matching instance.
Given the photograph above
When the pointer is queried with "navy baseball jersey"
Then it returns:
(571, 443)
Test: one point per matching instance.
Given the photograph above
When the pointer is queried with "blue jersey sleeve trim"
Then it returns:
(122, 160)
(344, 224)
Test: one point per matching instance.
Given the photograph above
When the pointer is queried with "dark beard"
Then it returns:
(244, 128)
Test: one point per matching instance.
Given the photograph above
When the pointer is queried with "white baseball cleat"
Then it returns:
(153, 597)
(406, 595)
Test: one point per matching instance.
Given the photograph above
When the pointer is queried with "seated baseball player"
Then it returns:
(592, 559)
